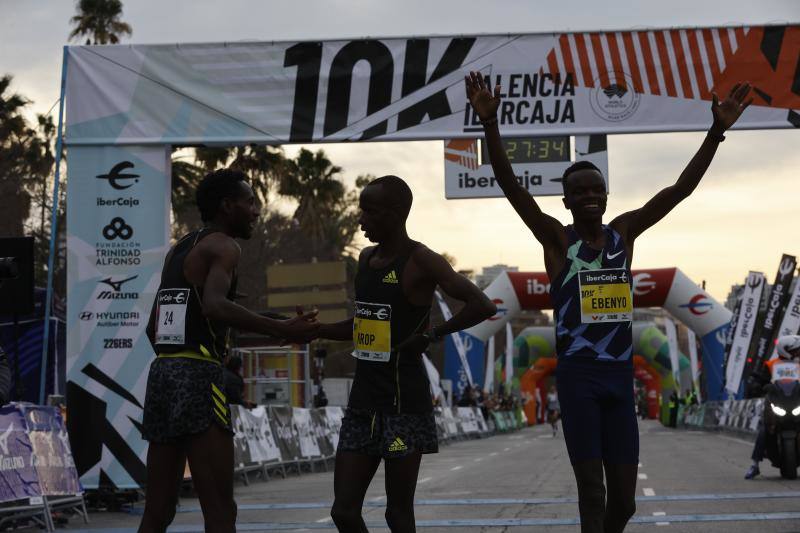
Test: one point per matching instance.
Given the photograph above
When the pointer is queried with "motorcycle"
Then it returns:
(782, 422)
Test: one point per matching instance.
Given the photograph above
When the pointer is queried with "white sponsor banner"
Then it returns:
(488, 380)
(790, 323)
(457, 340)
(409, 89)
(502, 293)
(672, 343)
(692, 340)
(117, 237)
(433, 377)
(256, 427)
(538, 164)
(751, 300)
(309, 446)
(469, 422)
(333, 420)
(509, 357)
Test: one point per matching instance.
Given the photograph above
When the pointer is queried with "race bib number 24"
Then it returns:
(171, 316)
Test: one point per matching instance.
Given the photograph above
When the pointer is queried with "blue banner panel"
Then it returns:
(17, 471)
(454, 370)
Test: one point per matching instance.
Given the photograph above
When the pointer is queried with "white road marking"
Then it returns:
(479, 459)
(424, 480)
(322, 520)
(459, 467)
(649, 492)
(506, 449)
(661, 513)
(642, 476)
(492, 454)
(640, 465)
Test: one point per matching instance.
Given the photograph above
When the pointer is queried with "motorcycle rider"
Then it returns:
(784, 367)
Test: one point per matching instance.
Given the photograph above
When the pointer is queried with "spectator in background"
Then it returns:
(234, 383)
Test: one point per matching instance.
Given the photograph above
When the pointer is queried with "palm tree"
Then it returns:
(99, 21)
(16, 138)
(324, 212)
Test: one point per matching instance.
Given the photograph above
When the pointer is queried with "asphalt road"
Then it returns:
(688, 482)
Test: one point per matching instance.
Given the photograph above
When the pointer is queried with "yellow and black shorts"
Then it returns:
(184, 397)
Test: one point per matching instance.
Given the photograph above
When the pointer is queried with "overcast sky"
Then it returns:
(743, 216)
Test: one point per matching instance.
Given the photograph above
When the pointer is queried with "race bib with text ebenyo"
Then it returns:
(372, 332)
(605, 295)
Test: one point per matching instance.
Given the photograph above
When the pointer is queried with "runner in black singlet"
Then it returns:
(589, 265)
(186, 414)
(390, 413)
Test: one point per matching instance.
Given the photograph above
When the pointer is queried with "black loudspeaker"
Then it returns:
(16, 275)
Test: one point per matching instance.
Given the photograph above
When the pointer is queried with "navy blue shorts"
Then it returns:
(598, 415)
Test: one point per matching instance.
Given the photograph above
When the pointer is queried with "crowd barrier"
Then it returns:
(37, 470)
(281, 439)
(733, 415)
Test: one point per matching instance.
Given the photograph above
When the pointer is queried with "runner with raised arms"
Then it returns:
(589, 264)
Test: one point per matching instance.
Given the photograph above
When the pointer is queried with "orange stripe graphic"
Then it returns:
(616, 61)
(552, 63)
(697, 60)
(666, 69)
(583, 55)
(599, 60)
(633, 63)
(566, 53)
(680, 59)
(649, 63)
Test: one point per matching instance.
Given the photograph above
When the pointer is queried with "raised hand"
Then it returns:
(480, 96)
(727, 112)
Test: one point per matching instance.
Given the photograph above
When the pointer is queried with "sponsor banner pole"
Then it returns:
(509, 357)
(751, 299)
(117, 237)
(488, 380)
(734, 322)
(433, 377)
(672, 342)
(776, 303)
(790, 323)
(692, 339)
(53, 237)
(457, 340)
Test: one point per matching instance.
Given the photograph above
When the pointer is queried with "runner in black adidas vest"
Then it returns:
(589, 265)
(186, 414)
(390, 411)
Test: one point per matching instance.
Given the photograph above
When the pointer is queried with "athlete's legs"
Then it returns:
(621, 505)
(401, 482)
(591, 494)
(165, 463)
(351, 478)
(210, 457)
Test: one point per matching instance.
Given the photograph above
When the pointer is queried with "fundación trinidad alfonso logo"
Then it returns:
(501, 310)
(613, 98)
(698, 305)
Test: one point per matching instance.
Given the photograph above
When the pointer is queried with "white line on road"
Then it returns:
(323, 520)
(640, 465)
(424, 480)
(649, 492)
(479, 459)
(492, 454)
(459, 467)
(661, 513)
(642, 476)
(506, 449)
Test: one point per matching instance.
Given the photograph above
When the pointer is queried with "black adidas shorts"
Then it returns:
(387, 435)
(184, 397)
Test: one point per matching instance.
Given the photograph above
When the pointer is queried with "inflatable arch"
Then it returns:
(663, 287)
(534, 362)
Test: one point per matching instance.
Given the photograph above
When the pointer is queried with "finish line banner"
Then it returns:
(411, 89)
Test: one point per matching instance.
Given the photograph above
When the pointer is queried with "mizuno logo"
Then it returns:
(117, 285)
(610, 256)
(398, 446)
(391, 277)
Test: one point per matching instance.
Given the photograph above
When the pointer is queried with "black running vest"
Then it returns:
(387, 381)
(180, 323)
